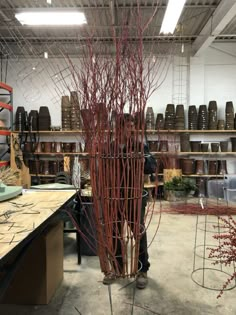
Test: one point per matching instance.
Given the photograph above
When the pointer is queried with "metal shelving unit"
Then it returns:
(6, 92)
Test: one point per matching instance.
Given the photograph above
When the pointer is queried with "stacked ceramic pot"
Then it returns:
(150, 122)
(229, 116)
(65, 113)
(75, 111)
(160, 121)
(179, 117)
(169, 117)
(212, 115)
(202, 123)
(184, 142)
(33, 120)
(192, 117)
(44, 118)
(20, 119)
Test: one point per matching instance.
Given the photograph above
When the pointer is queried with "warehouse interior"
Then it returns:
(51, 183)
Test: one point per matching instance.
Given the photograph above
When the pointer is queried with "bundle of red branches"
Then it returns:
(110, 86)
(225, 253)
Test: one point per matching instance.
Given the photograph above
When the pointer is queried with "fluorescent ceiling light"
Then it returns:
(51, 17)
(171, 17)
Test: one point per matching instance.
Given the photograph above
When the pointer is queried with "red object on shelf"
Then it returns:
(6, 87)
(7, 106)
(5, 132)
(4, 163)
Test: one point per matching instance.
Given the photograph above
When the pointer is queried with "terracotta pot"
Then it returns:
(195, 146)
(185, 146)
(215, 147)
(47, 147)
(66, 147)
(188, 166)
(224, 146)
(204, 147)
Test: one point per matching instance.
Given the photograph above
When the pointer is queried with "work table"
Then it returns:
(22, 216)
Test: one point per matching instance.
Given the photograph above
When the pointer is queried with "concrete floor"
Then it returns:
(170, 291)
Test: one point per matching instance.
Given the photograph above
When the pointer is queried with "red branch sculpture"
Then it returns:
(110, 86)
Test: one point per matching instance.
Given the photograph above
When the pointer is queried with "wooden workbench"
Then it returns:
(21, 216)
(31, 246)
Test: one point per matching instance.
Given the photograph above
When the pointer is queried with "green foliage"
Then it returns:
(180, 184)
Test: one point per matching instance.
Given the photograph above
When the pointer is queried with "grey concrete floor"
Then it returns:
(171, 289)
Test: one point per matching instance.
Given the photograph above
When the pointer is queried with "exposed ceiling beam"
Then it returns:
(159, 38)
(223, 14)
(106, 6)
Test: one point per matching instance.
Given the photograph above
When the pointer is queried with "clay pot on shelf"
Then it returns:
(204, 147)
(212, 167)
(47, 147)
(195, 146)
(215, 147)
(224, 146)
(184, 142)
(188, 166)
(66, 147)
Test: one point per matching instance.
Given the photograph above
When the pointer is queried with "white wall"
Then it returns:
(211, 76)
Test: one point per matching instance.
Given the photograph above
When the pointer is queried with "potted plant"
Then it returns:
(178, 188)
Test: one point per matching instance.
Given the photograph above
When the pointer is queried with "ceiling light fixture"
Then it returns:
(45, 54)
(171, 17)
(51, 17)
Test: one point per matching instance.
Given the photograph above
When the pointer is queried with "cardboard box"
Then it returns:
(40, 272)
